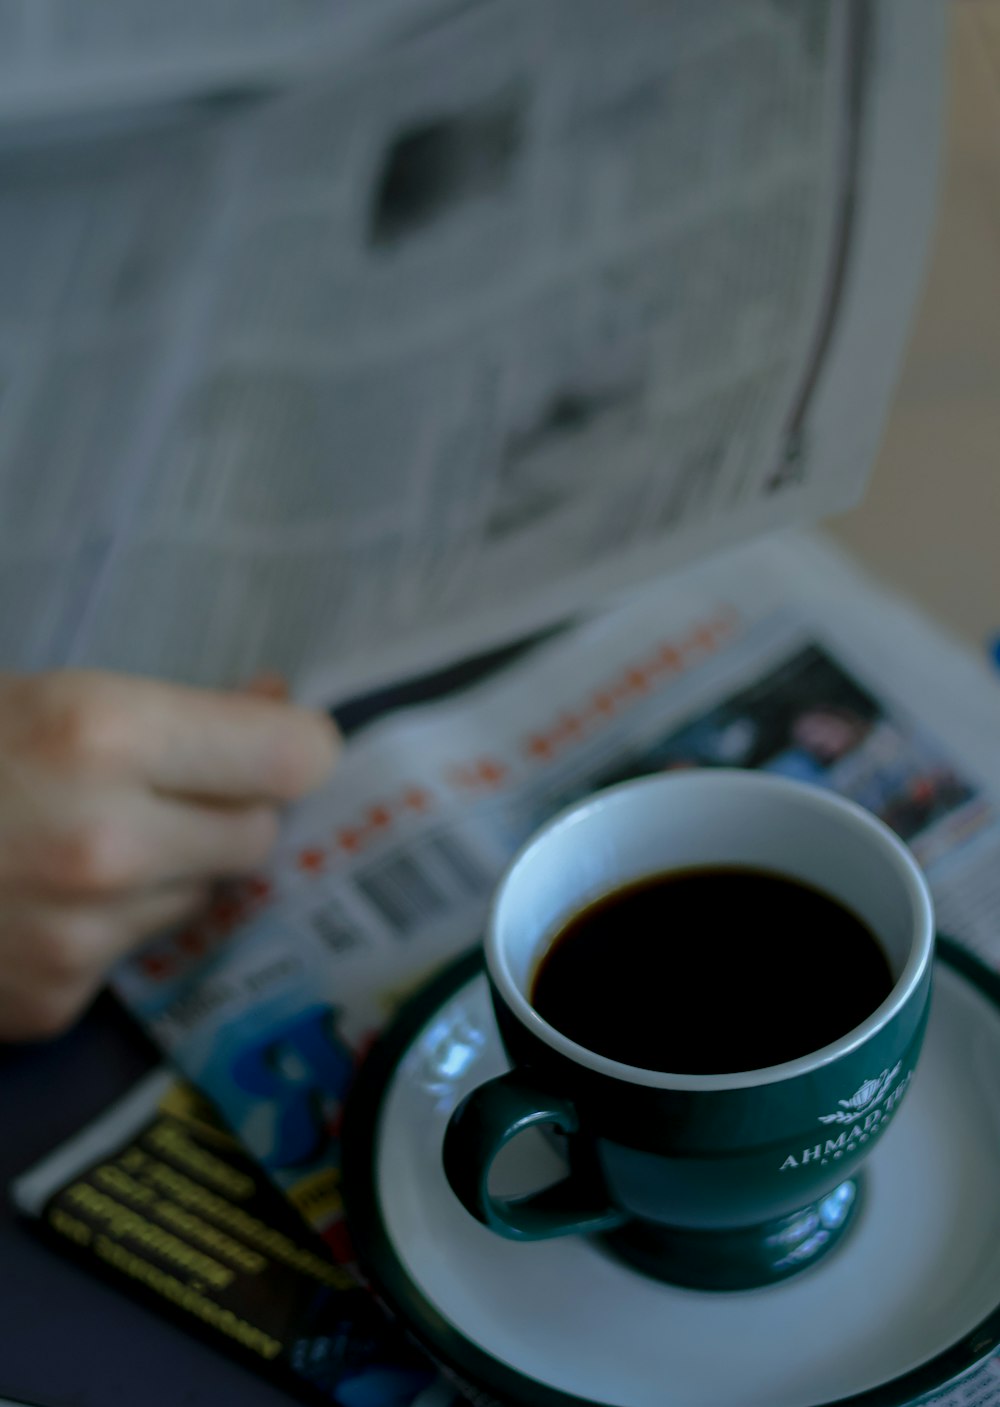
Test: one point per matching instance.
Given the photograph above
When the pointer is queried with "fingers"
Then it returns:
(247, 746)
(236, 746)
(38, 1015)
(127, 840)
(182, 840)
(62, 951)
(136, 917)
(119, 799)
(268, 685)
(65, 943)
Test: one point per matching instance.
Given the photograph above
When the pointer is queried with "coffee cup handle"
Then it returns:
(484, 1123)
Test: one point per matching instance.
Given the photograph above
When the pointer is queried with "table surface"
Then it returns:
(930, 525)
(65, 1337)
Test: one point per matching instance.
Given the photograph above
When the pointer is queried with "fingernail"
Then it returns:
(268, 685)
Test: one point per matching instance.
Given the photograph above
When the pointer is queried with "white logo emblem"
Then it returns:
(866, 1097)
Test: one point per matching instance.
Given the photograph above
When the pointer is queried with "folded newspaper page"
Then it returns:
(520, 310)
(779, 655)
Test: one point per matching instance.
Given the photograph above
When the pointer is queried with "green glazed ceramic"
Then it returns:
(716, 1181)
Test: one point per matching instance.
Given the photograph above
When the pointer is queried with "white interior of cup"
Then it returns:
(677, 822)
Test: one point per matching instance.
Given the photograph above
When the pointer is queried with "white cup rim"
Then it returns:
(893, 849)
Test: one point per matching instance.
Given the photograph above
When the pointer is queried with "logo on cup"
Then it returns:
(866, 1119)
(866, 1097)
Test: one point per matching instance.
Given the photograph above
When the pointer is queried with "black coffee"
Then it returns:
(711, 971)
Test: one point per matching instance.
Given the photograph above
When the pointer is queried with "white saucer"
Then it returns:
(909, 1301)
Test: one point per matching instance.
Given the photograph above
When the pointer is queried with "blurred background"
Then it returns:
(931, 517)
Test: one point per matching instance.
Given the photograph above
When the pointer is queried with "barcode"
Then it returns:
(411, 887)
(465, 867)
(336, 930)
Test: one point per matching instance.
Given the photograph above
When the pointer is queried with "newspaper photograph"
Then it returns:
(808, 719)
(267, 1004)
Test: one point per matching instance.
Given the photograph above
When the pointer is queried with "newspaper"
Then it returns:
(517, 311)
(61, 61)
(779, 655)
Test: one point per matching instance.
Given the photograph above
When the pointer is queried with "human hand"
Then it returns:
(121, 801)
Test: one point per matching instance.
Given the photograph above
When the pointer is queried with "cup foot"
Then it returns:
(740, 1258)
